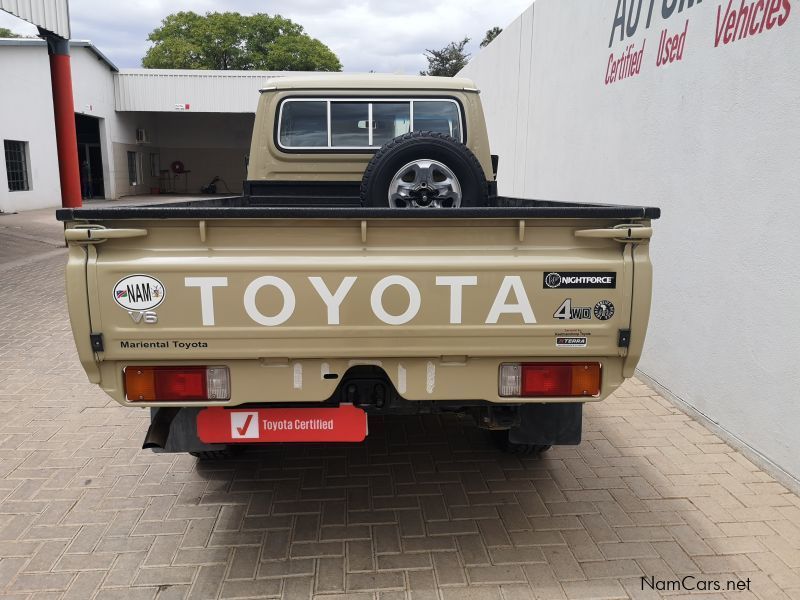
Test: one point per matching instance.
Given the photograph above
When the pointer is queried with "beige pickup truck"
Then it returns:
(370, 268)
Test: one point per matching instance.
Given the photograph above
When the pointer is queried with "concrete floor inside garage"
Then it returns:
(426, 508)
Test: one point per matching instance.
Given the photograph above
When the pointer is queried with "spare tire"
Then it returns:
(424, 169)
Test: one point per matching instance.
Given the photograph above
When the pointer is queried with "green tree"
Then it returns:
(448, 61)
(490, 35)
(7, 33)
(186, 40)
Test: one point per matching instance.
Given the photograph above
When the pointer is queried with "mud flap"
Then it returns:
(183, 433)
(548, 424)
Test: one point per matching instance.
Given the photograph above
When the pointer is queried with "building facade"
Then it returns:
(140, 131)
(30, 178)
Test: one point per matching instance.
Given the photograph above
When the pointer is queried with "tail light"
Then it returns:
(549, 380)
(156, 384)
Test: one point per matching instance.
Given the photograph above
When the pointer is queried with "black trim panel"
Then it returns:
(302, 193)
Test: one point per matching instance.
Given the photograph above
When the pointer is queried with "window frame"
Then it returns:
(369, 100)
(25, 164)
(137, 165)
(155, 164)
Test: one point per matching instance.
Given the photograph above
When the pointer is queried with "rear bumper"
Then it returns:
(538, 424)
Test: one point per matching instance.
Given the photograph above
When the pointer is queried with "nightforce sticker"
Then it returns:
(568, 312)
(139, 292)
(571, 342)
(604, 310)
(580, 279)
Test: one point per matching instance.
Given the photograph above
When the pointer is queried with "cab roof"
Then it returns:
(368, 81)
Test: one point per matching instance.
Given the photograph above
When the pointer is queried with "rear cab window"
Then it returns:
(362, 124)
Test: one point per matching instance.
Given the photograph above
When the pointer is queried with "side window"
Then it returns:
(304, 124)
(334, 123)
(389, 120)
(349, 124)
(133, 170)
(17, 165)
(155, 164)
(437, 116)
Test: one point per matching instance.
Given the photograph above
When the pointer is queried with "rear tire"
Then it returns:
(221, 454)
(500, 439)
(450, 157)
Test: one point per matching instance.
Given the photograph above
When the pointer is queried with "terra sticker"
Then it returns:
(571, 342)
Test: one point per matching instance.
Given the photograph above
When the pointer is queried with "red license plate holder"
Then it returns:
(345, 423)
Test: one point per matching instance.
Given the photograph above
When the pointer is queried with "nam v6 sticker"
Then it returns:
(139, 292)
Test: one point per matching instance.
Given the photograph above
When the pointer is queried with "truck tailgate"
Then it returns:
(290, 304)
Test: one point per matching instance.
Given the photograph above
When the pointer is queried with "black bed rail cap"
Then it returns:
(241, 208)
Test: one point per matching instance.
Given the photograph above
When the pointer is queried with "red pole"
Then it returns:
(64, 112)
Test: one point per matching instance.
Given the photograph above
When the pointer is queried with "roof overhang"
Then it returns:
(50, 15)
(72, 44)
(370, 81)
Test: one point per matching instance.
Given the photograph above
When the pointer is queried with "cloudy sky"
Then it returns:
(384, 35)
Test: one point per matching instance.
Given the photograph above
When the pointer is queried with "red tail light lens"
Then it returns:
(183, 384)
(546, 380)
(550, 380)
(156, 384)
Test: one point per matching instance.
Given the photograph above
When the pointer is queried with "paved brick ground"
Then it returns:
(425, 509)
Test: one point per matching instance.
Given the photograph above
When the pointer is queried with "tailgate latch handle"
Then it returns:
(621, 233)
(98, 234)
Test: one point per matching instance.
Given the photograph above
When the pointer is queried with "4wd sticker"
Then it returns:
(139, 292)
(580, 279)
(571, 342)
(573, 313)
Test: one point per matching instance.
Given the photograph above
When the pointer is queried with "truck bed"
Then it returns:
(437, 299)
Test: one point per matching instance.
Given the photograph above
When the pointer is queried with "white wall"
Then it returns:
(714, 140)
(123, 140)
(27, 115)
(93, 94)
